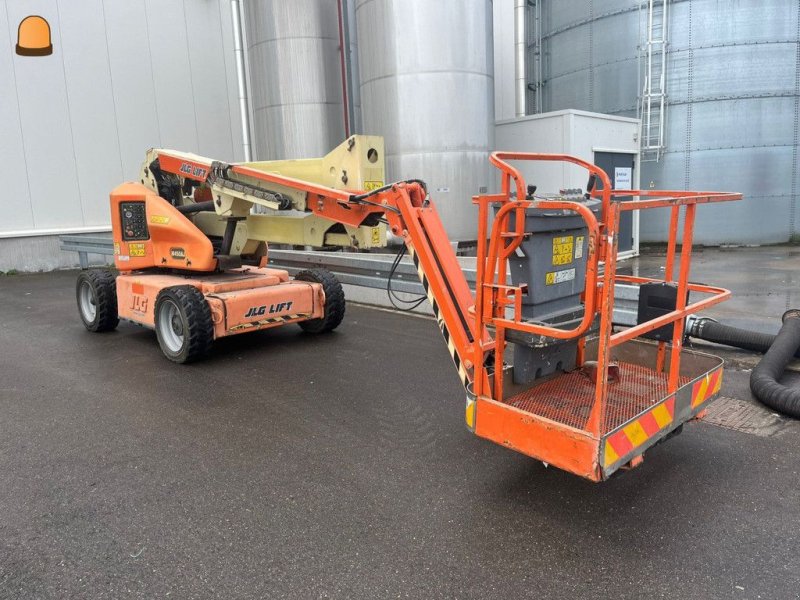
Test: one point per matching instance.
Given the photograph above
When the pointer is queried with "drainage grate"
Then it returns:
(739, 415)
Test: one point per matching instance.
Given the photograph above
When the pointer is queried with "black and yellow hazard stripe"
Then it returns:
(462, 371)
(270, 321)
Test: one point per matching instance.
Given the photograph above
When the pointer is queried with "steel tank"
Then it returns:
(295, 77)
(426, 79)
(732, 83)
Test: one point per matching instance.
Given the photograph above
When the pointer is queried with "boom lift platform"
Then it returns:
(544, 371)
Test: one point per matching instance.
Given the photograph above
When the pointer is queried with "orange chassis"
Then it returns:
(625, 396)
(243, 299)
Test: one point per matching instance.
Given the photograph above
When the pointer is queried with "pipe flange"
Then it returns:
(695, 324)
(792, 313)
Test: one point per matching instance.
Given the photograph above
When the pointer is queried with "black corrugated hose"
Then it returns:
(712, 331)
(764, 378)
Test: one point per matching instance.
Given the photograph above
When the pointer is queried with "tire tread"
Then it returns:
(334, 300)
(104, 284)
(200, 327)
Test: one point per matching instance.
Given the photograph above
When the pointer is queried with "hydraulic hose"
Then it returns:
(188, 209)
(764, 378)
(712, 331)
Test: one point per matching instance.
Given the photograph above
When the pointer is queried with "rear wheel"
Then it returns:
(96, 293)
(183, 323)
(334, 300)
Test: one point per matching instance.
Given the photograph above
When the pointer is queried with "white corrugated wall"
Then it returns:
(124, 76)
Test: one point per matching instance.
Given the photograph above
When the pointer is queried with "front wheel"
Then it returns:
(96, 292)
(183, 323)
(334, 300)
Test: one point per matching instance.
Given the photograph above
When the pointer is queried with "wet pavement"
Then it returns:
(293, 466)
(765, 281)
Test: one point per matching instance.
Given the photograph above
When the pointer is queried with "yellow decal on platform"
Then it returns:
(470, 414)
(662, 416)
(636, 433)
(136, 249)
(376, 236)
(159, 219)
(625, 441)
(372, 185)
(609, 456)
(706, 387)
(562, 249)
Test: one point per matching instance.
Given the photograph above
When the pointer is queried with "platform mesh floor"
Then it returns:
(568, 398)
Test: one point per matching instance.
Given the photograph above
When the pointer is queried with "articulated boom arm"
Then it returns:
(413, 216)
(298, 201)
(577, 394)
(346, 216)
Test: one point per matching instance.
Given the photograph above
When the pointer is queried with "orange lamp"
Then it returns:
(33, 37)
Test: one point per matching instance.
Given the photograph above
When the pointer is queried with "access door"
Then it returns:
(619, 166)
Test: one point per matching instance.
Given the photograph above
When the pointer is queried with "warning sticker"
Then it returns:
(562, 250)
(556, 277)
(376, 236)
(372, 185)
(116, 248)
(136, 249)
(159, 219)
(578, 247)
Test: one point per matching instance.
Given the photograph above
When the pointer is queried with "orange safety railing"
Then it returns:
(496, 244)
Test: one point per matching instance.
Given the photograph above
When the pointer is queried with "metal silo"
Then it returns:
(427, 87)
(295, 77)
(731, 97)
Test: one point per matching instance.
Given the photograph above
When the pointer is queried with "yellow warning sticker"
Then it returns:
(562, 250)
(116, 248)
(578, 247)
(376, 236)
(555, 277)
(136, 249)
(470, 414)
(160, 220)
(372, 185)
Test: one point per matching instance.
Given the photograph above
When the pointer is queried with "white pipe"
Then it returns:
(244, 112)
(662, 114)
(54, 231)
(519, 57)
(538, 63)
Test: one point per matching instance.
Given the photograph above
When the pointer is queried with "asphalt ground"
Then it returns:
(295, 466)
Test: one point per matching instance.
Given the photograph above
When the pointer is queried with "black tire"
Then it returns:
(96, 293)
(334, 300)
(183, 323)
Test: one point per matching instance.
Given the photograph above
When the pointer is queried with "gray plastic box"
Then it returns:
(552, 262)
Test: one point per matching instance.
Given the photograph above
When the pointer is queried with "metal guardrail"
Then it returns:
(372, 271)
(351, 268)
(85, 245)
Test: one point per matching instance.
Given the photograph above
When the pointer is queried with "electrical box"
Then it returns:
(610, 142)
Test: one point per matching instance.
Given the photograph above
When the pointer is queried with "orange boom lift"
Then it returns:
(607, 398)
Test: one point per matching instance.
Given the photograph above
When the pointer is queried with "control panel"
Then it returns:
(134, 221)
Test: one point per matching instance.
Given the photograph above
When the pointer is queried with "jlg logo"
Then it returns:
(192, 170)
(139, 303)
(260, 311)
